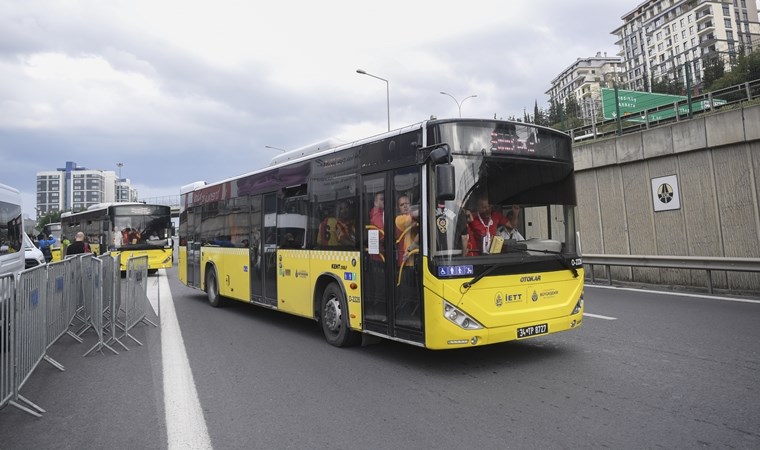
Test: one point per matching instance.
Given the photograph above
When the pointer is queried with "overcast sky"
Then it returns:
(184, 90)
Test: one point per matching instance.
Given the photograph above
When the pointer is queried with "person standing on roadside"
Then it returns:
(45, 246)
(79, 246)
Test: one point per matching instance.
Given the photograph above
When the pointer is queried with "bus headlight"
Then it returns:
(578, 306)
(457, 317)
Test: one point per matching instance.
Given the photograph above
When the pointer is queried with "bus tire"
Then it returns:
(334, 318)
(212, 289)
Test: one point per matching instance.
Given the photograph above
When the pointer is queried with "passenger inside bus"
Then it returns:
(130, 236)
(407, 239)
(377, 222)
(509, 230)
(482, 226)
(339, 229)
(407, 232)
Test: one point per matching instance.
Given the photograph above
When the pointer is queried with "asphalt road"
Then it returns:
(646, 370)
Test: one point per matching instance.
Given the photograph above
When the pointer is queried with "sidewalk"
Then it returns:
(103, 400)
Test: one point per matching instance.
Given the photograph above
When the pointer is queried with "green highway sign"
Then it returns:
(633, 103)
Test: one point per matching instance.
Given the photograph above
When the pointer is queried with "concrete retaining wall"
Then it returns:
(717, 161)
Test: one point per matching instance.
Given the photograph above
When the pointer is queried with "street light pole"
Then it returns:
(275, 148)
(459, 104)
(387, 93)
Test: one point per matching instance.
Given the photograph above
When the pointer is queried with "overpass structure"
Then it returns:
(168, 200)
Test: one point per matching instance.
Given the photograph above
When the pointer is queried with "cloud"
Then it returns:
(181, 91)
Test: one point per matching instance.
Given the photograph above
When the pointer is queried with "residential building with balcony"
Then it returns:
(672, 39)
(584, 80)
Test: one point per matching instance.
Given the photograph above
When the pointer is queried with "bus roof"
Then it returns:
(101, 206)
(301, 154)
(9, 194)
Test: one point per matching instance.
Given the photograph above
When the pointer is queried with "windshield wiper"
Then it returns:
(562, 258)
(468, 284)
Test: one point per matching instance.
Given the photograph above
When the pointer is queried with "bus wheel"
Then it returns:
(334, 318)
(212, 289)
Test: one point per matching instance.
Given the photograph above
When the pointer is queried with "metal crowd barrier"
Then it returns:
(42, 304)
(31, 332)
(7, 351)
(112, 304)
(98, 270)
(135, 307)
(61, 299)
(74, 294)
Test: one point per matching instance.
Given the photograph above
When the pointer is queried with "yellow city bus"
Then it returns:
(310, 235)
(133, 229)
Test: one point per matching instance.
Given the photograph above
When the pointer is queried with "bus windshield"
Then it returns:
(141, 226)
(10, 228)
(515, 196)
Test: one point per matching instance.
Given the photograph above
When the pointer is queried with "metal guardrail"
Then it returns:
(682, 110)
(706, 263)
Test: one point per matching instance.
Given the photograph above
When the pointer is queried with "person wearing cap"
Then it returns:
(45, 246)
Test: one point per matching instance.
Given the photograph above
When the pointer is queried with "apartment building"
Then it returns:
(76, 188)
(672, 39)
(584, 79)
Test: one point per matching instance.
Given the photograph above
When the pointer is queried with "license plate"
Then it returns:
(533, 330)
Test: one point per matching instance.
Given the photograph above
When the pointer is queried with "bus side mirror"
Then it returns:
(441, 155)
(444, 182)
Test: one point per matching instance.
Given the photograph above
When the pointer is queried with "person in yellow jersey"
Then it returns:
(407, 232)
(407, 238)
(339, 230)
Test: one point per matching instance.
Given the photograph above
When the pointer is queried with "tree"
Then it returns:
(539, 116)
(744, 68)
(713, 71)
(555, 113)
(51, 217)
(667, 86)
(573, 115)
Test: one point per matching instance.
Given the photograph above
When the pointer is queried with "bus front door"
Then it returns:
(391, 258)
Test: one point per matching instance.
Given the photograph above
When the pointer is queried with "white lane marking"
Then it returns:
(596, 316)
(154, 291)
(185, 425)
(680, 294)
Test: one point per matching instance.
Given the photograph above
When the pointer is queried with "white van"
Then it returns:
(11, 231)
(33, 256)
